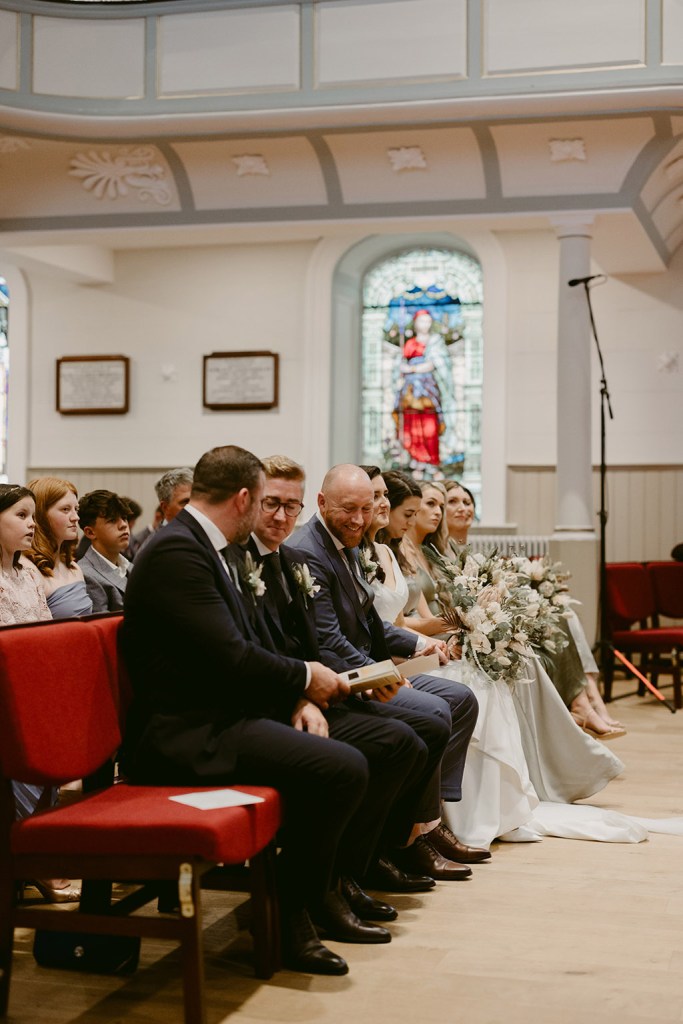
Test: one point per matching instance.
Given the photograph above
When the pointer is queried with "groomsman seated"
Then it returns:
(103, 518)
(288, 606)
(436, 853)
(215, 703)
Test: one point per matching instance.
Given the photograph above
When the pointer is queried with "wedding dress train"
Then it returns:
(527, 761)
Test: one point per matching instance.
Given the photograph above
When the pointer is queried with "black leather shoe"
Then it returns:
(365, 906)
(302, 950)
(337, 921)
(421, 856)
(449, 846)
(386, 875)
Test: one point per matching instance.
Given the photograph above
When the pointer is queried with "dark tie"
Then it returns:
(276, 582)
(363, 588)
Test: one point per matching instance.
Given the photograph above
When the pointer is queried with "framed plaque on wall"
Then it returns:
(241, 380)
(92, 385)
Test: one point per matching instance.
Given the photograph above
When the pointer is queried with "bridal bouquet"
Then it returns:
(477, 598)
(547, 577)
(498, 617)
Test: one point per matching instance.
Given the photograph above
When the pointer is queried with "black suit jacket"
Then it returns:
(348, 634)
(295, 633)
(196, 657)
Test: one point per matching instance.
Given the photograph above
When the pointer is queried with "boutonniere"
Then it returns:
(368, 567)
(305, 581)
(251, 577)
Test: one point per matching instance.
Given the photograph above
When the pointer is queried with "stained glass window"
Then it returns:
(4, 376)
(422, 366)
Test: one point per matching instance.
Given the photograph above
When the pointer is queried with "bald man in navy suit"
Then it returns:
(351, 634)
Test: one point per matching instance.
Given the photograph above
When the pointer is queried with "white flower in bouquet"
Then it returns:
(472, 565)
(537, 570)
(547, 577)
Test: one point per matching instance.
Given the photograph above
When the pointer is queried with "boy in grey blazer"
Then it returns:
(104, 520)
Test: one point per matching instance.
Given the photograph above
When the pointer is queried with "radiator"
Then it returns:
(510, 544)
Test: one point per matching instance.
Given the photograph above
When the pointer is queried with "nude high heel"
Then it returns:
(69, 894)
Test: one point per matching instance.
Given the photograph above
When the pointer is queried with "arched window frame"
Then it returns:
(333, 297)
(455, 274)
(18, 404)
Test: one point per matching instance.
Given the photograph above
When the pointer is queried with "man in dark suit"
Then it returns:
(214, 703)
(288, 605)
(351, 634)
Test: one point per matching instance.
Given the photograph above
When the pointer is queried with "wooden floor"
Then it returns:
(554, 932)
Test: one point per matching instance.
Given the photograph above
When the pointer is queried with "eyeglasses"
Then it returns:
(290, 508)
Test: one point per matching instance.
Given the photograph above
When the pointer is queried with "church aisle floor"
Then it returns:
(552, 932)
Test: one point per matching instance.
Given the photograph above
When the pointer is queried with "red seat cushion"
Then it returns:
(142, 820)
(654, 639)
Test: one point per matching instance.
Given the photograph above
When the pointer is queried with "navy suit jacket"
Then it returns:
(196, 657)
(348, 635)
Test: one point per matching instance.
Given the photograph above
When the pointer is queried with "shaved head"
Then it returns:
(346, 503)
(340, 478)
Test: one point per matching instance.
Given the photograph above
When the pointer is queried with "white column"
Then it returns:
(575, 542)
(574, 479)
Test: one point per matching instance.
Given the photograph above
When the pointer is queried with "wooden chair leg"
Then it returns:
(95, 896)
(607, 674)
(644, 666)
(192, 948)
(676, 673)
(7, 900)
(265, 908)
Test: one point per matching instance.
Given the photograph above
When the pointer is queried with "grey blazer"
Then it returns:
(105, 586)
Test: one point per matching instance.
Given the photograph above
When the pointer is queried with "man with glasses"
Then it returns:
(289, 606)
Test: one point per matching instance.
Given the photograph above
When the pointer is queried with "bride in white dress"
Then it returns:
(528, 760)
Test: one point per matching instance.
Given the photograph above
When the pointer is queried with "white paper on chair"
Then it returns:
(212, 799)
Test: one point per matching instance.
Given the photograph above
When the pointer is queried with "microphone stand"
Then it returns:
(606, 648)
(605, 404)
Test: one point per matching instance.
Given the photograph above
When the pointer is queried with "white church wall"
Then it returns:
(167, 308)
(639, 319)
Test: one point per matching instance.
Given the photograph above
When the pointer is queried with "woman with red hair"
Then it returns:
(54, 547)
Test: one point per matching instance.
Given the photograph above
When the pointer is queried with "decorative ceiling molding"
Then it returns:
(12, 144)
(250, 164)
(134, 168)
(674, 169)
(562, 150)
(407, 158)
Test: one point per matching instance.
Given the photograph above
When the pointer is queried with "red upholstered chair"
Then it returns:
(631, 602)
(667, 588)
(122, 833)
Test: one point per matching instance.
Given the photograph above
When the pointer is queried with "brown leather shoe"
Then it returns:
(423, 858)
(449, 846)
